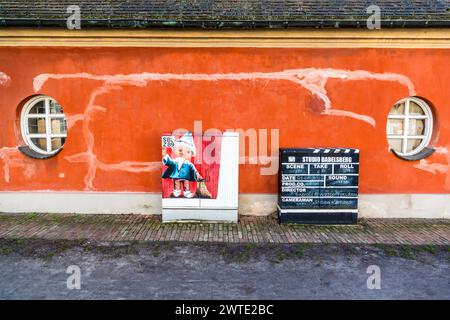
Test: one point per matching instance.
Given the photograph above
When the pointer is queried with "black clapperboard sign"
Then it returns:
(318, 186)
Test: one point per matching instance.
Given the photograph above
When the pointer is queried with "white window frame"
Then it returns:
(428, 125)
(48, 135)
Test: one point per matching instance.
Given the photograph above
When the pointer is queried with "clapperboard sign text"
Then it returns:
(318, 186)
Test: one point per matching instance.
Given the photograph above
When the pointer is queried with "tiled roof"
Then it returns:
(226, 13)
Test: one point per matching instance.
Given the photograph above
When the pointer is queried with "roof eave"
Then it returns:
(222, 24)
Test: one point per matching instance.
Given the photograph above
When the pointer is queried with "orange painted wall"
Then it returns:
(127, 134)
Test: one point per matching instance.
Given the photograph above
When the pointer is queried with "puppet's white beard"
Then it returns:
(179, 162)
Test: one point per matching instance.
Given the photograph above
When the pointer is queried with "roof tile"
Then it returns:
(225, 13)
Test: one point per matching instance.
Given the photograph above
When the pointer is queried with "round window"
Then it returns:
(409, 126)
(43, 125)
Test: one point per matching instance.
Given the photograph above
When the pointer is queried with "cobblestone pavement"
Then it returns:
(248, 230)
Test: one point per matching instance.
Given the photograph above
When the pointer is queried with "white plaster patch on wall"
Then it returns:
(12, 157)
(4, 79)
(73, 119)
(435, 168)
(89, 156)
(312, 79)
(441, 150)
(5, 154)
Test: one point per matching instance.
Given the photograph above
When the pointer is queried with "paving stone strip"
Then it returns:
(248, 230)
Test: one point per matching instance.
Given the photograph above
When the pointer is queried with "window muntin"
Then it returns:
(43, 125)
(409, 126)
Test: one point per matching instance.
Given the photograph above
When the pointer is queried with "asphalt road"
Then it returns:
(38, 270)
